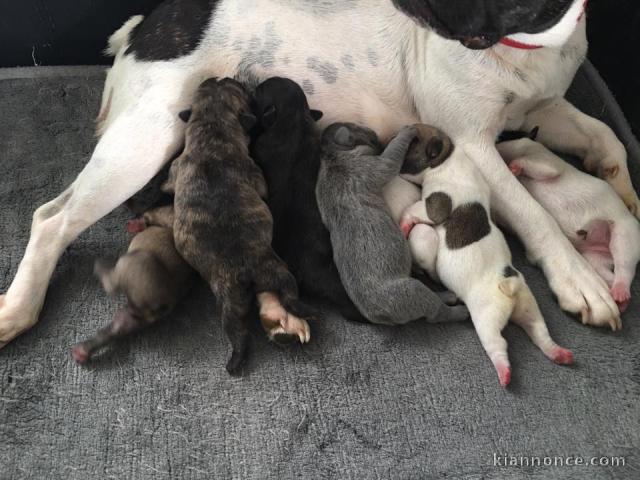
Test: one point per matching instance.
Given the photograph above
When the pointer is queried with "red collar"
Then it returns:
(515, 44)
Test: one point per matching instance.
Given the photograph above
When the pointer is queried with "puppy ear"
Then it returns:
(316, 114)
(269, 116)
(344, 138)
(185, 115)
(248, 121)
(533, 134)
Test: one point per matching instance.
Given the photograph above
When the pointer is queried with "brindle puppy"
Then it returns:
(287, 148)
(152, 275)
(223, 227)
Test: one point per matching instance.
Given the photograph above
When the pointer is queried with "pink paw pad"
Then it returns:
(620, 293)
(80, 354)
(562, 356)
(136, 225)
(504, 374)
(515, 168)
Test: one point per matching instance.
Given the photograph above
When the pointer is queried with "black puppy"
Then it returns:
(222, 226)
(287, 147)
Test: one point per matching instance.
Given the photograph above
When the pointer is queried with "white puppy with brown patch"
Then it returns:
(467, 253)
(588, 210)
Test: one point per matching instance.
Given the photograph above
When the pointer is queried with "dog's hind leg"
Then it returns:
(131, 151)
(527, 314)
(235, 305)
(566, 129)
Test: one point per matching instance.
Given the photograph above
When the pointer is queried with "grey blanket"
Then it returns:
(360, 401)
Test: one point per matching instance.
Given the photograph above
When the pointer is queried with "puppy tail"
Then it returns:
(120, 38)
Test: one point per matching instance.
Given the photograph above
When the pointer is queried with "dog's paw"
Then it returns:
(580, 290)
(281, 326)
(13, 321)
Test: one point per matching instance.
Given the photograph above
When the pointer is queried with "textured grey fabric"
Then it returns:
(360, 401)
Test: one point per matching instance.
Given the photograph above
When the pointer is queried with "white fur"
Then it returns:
(475, 273)
(577, 201)
(416, 76)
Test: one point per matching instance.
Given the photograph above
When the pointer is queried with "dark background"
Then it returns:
(74, 32)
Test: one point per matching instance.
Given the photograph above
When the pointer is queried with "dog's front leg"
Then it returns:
(128, 155)
(566, 129)
(578, 287)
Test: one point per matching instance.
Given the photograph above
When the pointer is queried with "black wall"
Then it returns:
(74, 32)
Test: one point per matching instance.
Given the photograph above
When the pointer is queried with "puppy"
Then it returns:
(222, 225)
(588, 210)
(469, 255)
(152, 275)
(287, 148)
(372, 257)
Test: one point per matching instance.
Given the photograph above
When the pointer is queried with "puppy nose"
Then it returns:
(435, 146)
(479, 42)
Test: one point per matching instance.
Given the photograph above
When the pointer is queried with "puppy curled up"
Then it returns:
(222, 225)
(152, 275)
(287, 148)
(370, 253)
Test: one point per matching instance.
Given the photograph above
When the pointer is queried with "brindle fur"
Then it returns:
(223, 227)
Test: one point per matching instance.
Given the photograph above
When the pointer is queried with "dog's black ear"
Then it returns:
(185, 115)
(316, 114)
(269, 116)
(533, 134)
(248, 121)
(344, 138)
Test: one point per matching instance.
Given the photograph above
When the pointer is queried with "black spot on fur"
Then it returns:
(468, 224)
(173, 30)
(439, 207)
(509, 271)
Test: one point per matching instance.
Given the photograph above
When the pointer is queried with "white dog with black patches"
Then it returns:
(453, 238)
(381, 63)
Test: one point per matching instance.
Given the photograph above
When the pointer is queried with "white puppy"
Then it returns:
(587, 209)
(470, 256)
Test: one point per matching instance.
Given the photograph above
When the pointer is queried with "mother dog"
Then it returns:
(471, 67)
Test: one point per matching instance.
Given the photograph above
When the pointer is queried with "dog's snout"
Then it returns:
(435, 146)
(479, 42)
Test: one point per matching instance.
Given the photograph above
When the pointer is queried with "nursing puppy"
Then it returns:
(222, 225)
(467, 253)
(152, 275)
(588, 210)
(350, 57)
(372, 257)
(287, 148)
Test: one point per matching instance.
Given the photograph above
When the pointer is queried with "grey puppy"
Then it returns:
(152, 275)
(370, 252)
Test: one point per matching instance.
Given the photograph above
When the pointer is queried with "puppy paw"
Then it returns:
(136, 225)
(406, 226)
(516, 168)
(280, 325)
(620, 293)
(504, 372)
(80, 354)
(562, 356)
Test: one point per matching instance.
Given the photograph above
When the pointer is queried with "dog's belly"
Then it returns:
(346, 71)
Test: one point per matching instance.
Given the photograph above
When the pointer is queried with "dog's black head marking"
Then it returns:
(479, 24)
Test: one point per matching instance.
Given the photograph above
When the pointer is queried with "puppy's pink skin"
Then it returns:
(136, 225)
(562, 356)
(80, 354)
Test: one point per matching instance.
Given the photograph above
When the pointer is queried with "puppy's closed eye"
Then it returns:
(269, 116)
